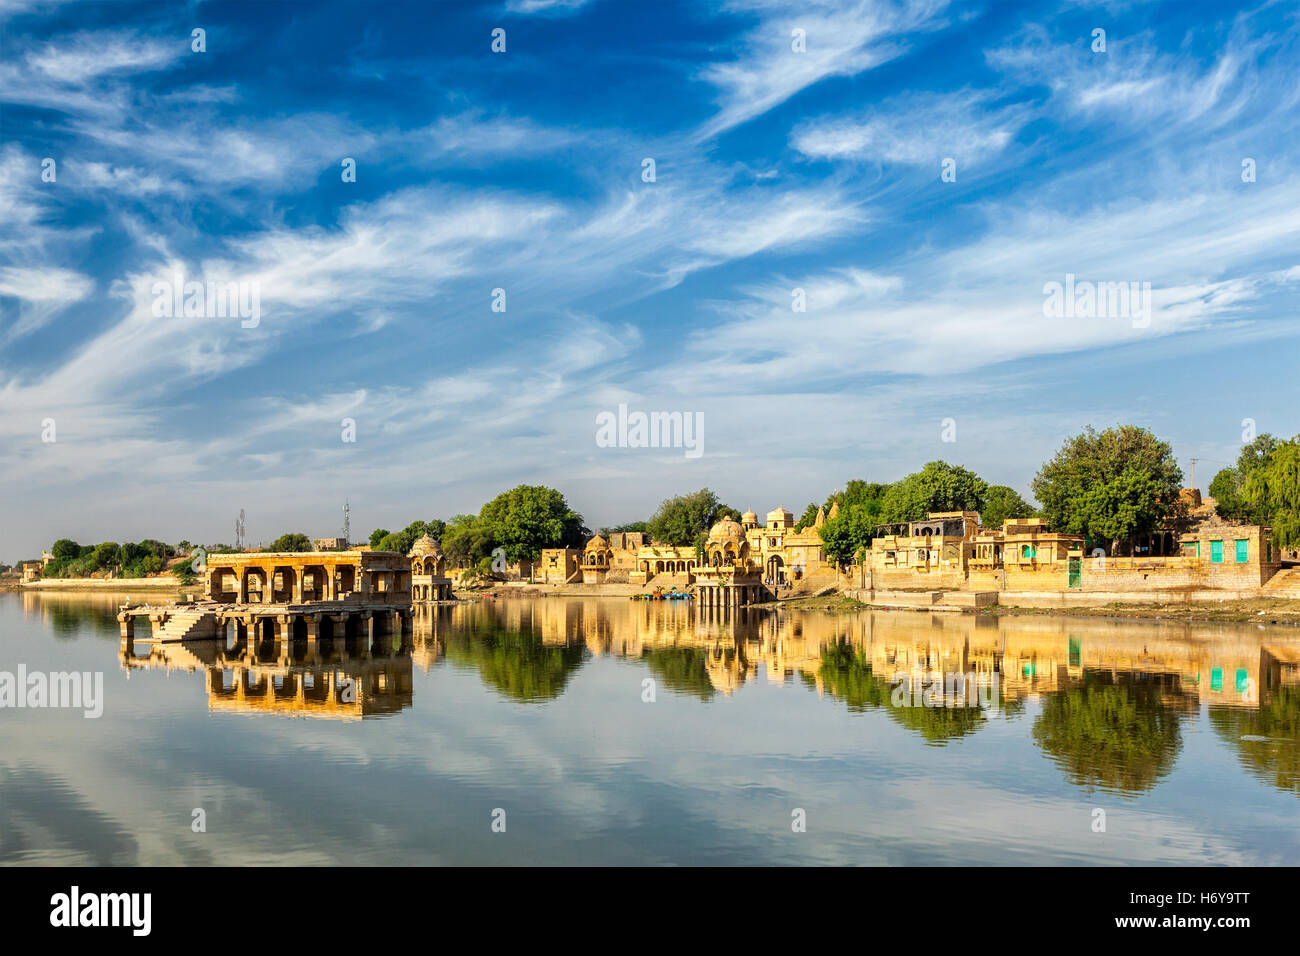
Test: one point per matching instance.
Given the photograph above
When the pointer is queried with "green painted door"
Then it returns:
(1216, 552)
(1076, 573)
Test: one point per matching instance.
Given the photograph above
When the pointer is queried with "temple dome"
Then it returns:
(728, 529)
(426, 546)
(597, 543)
(749, 518)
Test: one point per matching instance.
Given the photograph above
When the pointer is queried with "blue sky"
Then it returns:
(775, 170)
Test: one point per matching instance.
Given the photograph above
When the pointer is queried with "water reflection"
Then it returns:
(1115, 732)
(1111, 699)
(340, 679)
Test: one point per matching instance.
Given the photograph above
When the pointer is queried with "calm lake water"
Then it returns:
(1188, 738)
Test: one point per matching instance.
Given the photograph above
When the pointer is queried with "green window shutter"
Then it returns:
(1216, 552)
(1243, 551)
(1216, 678)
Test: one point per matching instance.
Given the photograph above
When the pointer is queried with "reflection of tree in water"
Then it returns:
(1276, 758)
(1119, 736)
(846, 673)
(68, 618)
(682, 669)
(518, 665)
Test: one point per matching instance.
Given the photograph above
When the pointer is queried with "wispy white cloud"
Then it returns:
(841, 38)
(915, 129)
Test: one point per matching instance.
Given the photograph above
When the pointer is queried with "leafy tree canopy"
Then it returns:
(1113, 484)
(642, 526)
(1228, 488)
(683, 519)
(1002, 502)
(65, 548)
(291, 541)
(1272, 490)
(528, 518)
(938, 486)
(466, 542)
(402, 541)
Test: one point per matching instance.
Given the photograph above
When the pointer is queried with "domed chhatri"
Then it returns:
(429, 581)
(728, 529)
(425, 546)
(597, 543)
(749, 519)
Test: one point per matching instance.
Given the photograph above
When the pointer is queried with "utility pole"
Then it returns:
(1194, 461)
(347, 523)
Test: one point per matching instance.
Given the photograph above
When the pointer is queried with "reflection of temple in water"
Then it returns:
(1229, 666)
(341, 679)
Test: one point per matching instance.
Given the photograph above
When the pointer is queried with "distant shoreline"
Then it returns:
(105, 584)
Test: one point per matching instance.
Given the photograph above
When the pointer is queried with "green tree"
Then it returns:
(808, 518)
(402, 541)
(868, 495)
(379, 534)
(291, 541)
(642, 526)
(1001, 503)
(938, 486)
(1110, 485)
(847, 537)
(466, 542)
(682, 520)
(1228, 488)
(107, 554)
(528, 518)
(1229, 500)
(1273, 491)
(65, 548)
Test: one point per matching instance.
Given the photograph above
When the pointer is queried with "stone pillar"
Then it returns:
(127, 626)
(341, 634)
(365, 634)
(313, 637)
(297, 586)
(250, 646)
(284, 639)
(243, 585)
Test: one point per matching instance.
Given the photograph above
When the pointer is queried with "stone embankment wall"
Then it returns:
(107, 584)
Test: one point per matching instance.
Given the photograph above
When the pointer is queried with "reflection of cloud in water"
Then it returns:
(45, 820)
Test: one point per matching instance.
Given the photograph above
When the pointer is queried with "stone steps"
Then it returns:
(1284, 584)
(185, 625)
